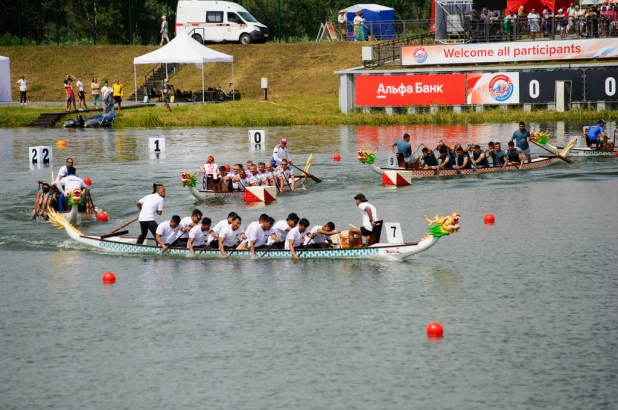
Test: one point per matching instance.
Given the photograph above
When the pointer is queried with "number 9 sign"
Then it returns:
(391, 161)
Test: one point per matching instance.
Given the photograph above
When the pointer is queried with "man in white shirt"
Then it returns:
(282, 228)
(228, 237)
(280, 153)
(214, 234)
(81, 92)
(286, 176)
(149, 206)
(66, 187)
(296, 235)
(369, 215)
(258, 235)
(62, 172)
(23, 88)
(322, 234)
(198, 235)
(106, 89)
(342, 19)
(167, 232)
(186, 224)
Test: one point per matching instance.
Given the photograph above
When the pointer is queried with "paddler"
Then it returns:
(296, 235)
(149, 206)
(228, 237)
(322, 234)
(186, 224)
(405, 149)
(214, 234)
(167, 232)
(66, 185)
(286, 176)
(198, 235)
(280, 153)
(282, 228)
(368, 214)
(258, 235)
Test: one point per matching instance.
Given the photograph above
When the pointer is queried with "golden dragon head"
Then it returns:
(441, 226)
(366, 156)
(188, 179)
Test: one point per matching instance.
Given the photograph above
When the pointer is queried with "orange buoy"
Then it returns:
(61, 143)
(489, 219)
(87, 181)
(434, 329)
(109, 277)
(102, 216)
(337, 158)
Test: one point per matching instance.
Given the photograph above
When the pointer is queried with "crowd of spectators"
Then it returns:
(594, 22)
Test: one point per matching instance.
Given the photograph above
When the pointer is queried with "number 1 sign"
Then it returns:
(156, 144)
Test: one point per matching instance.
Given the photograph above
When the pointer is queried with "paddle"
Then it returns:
(114, 234)
(234, 250)
(308, 175)
(122, 226)
(267, 249)
(565, 159)
(174, 243)
(303, 249)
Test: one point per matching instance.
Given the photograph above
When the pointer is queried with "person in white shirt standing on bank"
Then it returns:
(81, 93)
(280, 153)
(23, 88)
(149, 206)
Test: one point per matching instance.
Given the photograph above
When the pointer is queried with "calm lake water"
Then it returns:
(529, 305)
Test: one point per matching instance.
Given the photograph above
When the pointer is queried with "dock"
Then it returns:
(49, 119)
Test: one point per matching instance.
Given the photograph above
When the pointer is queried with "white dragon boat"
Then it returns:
(398, 176)
(115, 242)
(75, 199)
(248, 193)
(579, 149)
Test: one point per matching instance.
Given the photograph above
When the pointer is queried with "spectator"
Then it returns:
(343, 25)
(81, 93)
(164, 30)
(105, 88)
(70, 96)
(561, 23)
(521, 21)
(166, 95)
(95, 89)
(547, 20)
(118, 93)
(23, 89)
(604, 21)
(359, 27)
(533, 22)
(510, 23)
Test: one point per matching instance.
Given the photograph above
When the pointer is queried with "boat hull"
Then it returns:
(402, 177)
(581, 150)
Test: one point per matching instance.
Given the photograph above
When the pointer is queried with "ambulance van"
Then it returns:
(219, 21)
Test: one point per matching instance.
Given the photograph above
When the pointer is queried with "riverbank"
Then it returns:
(294, 111)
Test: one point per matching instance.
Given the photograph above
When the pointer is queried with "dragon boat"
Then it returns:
(393, 250)
(248, 193)
(579, 149)
(75, 200)
(399, 176)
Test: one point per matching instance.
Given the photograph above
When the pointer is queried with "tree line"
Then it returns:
(73, 22)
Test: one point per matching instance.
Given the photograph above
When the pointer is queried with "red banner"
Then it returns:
(410, 90)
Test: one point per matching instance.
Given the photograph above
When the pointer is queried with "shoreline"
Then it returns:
(289, 112)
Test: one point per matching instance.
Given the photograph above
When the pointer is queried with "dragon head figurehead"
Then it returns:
(188, 179)
(366, 156)
(75, 197)
(541, 137)
(441, 226)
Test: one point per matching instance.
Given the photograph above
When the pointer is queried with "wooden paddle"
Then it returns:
(114, 234)
(267, 249)
(234, 250)
(121, 226)
(303, 249)
(565, 159)
(174, 243)
(306, 173)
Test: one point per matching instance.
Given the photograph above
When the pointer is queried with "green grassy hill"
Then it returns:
(293, 70)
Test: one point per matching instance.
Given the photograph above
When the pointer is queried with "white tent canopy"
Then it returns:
(361, 7)
(5, 79)
(183, 50)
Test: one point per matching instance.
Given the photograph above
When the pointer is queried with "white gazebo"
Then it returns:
(183, 50)
(5, 79)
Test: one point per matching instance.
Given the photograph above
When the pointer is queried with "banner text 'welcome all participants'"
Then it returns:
(410, 90)
(512, 52)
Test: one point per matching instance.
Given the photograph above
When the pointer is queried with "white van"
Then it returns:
(219, 21)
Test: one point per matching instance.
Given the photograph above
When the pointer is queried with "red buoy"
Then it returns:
(489, 219)
(337, 158)
(227, 167)
(109, 277)
(87, 181)
(434, 329)
(102, 216)
(617, 154)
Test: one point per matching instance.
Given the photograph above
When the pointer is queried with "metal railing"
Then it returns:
(390, 51)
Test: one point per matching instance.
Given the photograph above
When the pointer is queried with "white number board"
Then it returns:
(391, 161)
(156, 144)
(40, 156)
(257, 140)
(393, 232)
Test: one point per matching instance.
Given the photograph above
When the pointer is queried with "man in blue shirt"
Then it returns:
(594, 133)
(521, 138)
(404, 148)
(514, 155)
(498, 156)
